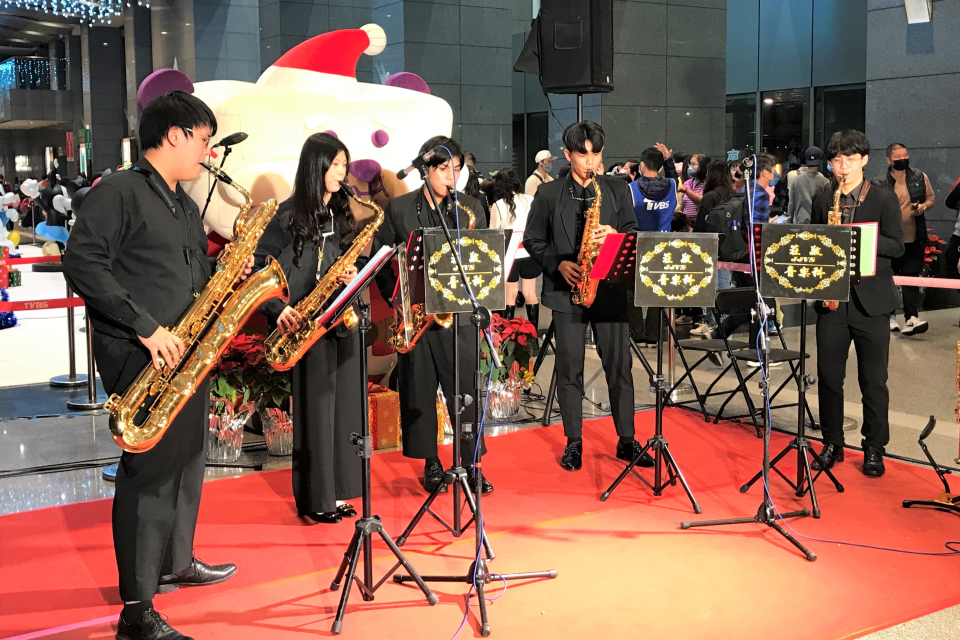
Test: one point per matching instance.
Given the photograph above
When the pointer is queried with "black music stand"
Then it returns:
(672, 270)
(367, 524)
(776, 260)
(478, 574)
(773, 258)
(946, 501)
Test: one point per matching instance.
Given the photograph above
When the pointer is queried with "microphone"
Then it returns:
(418, 162)
(232, 139)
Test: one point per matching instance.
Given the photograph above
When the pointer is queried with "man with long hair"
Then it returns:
(430, 362)
(553, 237)
(138, 257)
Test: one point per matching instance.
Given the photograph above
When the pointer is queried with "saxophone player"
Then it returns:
(553, 236)
(865, 319)
(311, 230)
(430, 362)
(137, 256)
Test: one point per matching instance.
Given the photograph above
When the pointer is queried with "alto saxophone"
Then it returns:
(411, 321)
(586, 290)
(140, 417)
(835, 217)
(285, 349)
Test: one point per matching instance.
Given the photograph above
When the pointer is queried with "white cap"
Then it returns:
(543, 155)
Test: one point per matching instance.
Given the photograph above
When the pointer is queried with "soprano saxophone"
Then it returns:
(411, 321)
(285, 349)
(586, 290)
(140, 417)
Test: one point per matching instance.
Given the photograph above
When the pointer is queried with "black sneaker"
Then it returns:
(628, 451)
(149, 626)
(433, 478)
(572, 459)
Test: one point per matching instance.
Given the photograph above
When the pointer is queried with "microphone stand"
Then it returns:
(226, 152)
(478, 575)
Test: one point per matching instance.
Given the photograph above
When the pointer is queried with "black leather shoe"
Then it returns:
(324, 517)
(433, 477)
(629, 453)
(472, 479)
(830, 455)
(346, 510)
(873, 462)
(150, 626)
(572, 458)
(197, 575)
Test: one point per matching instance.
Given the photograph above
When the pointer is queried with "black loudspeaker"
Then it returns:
(571, 46)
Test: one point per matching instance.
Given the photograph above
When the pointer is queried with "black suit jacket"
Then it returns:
(878, 295)
(550, 238)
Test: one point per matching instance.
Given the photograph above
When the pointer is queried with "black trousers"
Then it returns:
(871, 340)
(157, 494)
(326, 409)
(612, 336)
(428, 364)
(951, 256)
(911, 264)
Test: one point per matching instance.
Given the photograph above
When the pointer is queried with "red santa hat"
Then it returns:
(336, 52)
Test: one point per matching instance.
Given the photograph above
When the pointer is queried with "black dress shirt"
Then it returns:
(409, 212)
(551, 237)
(137, 254)
(277, 241)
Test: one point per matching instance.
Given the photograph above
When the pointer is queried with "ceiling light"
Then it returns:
(768, 101)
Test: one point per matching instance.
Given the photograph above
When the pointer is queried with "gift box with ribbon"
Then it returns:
(384, 415)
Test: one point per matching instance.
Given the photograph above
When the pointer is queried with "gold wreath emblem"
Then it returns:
(826, 242)
(644, 271)
(481, 288)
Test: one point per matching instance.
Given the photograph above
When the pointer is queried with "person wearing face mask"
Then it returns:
(692, 189)
(541, 175)
(308, 234)
(430, 362)
(805, 187)
(863, 319)
(915, 194)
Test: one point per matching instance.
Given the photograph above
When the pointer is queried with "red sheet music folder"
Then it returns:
(617, 261)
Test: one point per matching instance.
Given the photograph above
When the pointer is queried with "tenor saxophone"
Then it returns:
(586, 290)
(140, 417)
(285, 349)
(402, 338)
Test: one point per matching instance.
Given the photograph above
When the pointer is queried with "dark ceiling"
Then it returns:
(22, 32)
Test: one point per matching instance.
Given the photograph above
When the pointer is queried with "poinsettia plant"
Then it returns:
(242, 374)
(931, 255)
(514, 339)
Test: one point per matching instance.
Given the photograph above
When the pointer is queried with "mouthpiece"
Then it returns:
(219, 175)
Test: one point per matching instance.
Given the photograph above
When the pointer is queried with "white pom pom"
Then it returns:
(378, 39)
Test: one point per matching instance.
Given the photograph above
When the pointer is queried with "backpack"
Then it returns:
(727, 219)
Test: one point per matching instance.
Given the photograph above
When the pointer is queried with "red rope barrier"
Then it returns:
(36, 305)
(37, 260)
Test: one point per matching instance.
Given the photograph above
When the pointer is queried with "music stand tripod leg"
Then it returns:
(367, 524)
(657, 443)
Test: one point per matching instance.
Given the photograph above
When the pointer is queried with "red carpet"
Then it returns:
(626, 570)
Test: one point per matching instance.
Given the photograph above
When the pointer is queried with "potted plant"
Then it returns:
(230, 404)
(514, 340)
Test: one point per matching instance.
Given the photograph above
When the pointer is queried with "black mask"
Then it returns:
(901, 165)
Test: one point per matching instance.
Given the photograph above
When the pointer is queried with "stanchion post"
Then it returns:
(93, 400)
(71, 379)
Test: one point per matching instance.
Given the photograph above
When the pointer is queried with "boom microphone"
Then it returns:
(418, 162)
(232, 139)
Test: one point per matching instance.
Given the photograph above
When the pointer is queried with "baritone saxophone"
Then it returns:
(140, 417)
(285, 349)
(411, 320)
(586, 290)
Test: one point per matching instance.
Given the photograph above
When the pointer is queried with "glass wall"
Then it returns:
(785, 122)
(838, 108)
(741, 123)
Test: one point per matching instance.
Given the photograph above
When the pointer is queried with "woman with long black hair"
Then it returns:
(309, 232)
(509, 211)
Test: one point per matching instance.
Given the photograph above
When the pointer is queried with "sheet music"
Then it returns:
(340, 302)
